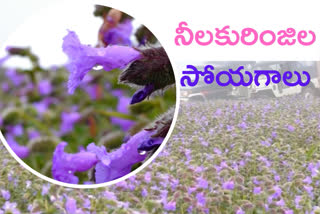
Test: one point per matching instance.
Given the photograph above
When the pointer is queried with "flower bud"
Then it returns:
(153, 68)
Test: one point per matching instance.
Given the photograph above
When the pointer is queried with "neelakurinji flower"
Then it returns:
(5, 194)
(147, 177)
(82, 58)
(201, 200)
(290, 128)
(257, 190)
(144, 193)
(16, 130)
(44, 87)
(240, 211)
(64, 165)
(100, 152)
(122, 159)
(229, 185)
(202, 183)
(9, 207)
(71, 206)
(170, 206)
(108, 166)
(15, 78)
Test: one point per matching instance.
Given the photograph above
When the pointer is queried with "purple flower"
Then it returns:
(240, 211)
(309, 190)
(45, 189)
(217, 151)
(256, 190)
(171, 206)
(147, 177)
(313, 169)
(228, 185)
(110, 195)
(174, 184)
(20, 151)
(64, 165)
(297, 201)
(202, 183)
(243, 125)
(280, 203)
(248, 154)
(191, 190)
(265, 143)
(187, 153)
(68, 121)
(101, 153)
(45, 87)
(83, 58)
(122, 159)
(42, 106)
(87, 203)
(16, 130)
(122, 107)
(71, 206)
(5, 194)
(274, 134)
(201, 200)
(16, 78)
(205, 143)
(119, 35)
(229, 128)
(141, 94)
(277, 178)
(290, 128)
(12, 207)
(307, 180)
(288, 212)
(144, 193)
(218, 113)
(277, 192)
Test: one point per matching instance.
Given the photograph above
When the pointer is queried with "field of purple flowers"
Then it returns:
(256, 156)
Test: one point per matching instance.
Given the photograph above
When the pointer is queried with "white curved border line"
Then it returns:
(91, 186)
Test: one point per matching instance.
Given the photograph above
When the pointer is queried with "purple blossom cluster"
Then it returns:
(108, 166)
(82, 58)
